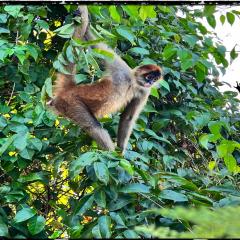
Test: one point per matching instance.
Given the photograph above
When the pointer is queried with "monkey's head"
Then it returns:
(147, 75)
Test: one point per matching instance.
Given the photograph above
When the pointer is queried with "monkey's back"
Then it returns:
(101, 98)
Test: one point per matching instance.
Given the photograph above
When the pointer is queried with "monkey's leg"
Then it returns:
(128, 118)
(85, 119)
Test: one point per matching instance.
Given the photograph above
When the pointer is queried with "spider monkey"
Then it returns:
(120, 87)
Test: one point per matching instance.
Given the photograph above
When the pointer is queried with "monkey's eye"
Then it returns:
(148, 77)
(153, 76)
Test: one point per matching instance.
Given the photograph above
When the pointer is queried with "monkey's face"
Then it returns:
(147, 75)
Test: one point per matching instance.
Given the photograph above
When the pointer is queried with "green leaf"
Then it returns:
(95, 9)
(13, 10)
(114, 14)
(172, 195)
(203, 139)
(100, 198)
(147, 11)
(118, 219)
(164, 84)
(48, 87)
(126, 33)
(126, 166)
(222, 19)
(230, 18)
(81, 43)
(143, 13)
(35, 143)
(169, 51)
(3, 123)
(70, 54)
(26, 153)
(84, 160)
(103, 54)
(139, 50)
(32, 50)
(80, 78)
(20, 141)
(32, 177)
(135, 188)
(200, 72)
(121, 202)
(132, 11)
(24, 214)
(6, 144)
(209, 10)
(105, 32)
(4, 108)
(104, 223)
(130, 234)
(221, 49)
(84, 204)
(42, 24)
(190, 39)
(18, 128)
(36, 224)
(187, 63)
(186, 184)
(96, 232)
(4, 30)
(154, 135)
(75, 232)
(233, 54)
(21, 56)
(222, 150)
(231, 163)
(3, 229)
(211, 165)
(102, 172)
(66, 31)
(212, 21)
(26, 29)
(154, 92)
(3, 18)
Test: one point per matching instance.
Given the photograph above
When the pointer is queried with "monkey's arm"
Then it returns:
(79, 32)
(128, 118)
(84, 118)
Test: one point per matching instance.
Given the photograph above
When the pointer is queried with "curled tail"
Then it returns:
(63, 83)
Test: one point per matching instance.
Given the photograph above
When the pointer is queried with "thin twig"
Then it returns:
(151, 200)
(16, 42)
(11, 94)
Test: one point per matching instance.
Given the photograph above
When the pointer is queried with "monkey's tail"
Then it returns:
(63, 83)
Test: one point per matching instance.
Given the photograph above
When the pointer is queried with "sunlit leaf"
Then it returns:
(135, 188)
(114, 14)
(230, 18)
(24, 214)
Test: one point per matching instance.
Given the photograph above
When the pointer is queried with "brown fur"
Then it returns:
(85, 103)
(97, 96)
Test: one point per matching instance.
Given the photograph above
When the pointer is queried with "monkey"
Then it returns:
(121, 87)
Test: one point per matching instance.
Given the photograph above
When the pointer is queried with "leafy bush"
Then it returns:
(200, 223)
(184, 148)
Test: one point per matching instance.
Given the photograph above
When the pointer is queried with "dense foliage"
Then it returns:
(204, 223)
(185, 146)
